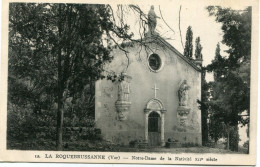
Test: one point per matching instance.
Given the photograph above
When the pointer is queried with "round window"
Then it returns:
(155, 62)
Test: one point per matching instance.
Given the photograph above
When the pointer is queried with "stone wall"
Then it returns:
(44, 138)
(168, 80)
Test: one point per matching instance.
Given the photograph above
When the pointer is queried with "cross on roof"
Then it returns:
(155, 88)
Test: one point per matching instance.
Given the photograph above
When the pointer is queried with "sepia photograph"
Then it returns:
(100, 78)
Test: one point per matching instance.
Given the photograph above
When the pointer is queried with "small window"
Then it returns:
(155, 62)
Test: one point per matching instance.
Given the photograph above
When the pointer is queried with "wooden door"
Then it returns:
(154, 127)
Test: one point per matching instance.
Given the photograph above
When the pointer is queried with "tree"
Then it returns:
(231, 85)
(57, 49)
(204, 107)
(198, 49)
(205, 95)
(188, 50)
(216, 128)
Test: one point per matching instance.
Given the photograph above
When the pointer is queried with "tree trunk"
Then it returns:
(215, 143)
(234, 136)
(60, 92)
(228, 140)
(204, 116)
(234, 139)
(249, 138)
(204, 112)
(60, 105)
(60, 114)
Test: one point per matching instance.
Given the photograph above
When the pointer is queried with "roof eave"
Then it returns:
(179, 54)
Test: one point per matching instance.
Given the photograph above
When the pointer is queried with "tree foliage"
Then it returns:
(188, 50)
(230, 91)
(55, 50)
(198, 49)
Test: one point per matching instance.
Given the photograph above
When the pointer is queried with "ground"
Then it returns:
(189, 150)
(98, 146)
(178, 150)
(102, 146)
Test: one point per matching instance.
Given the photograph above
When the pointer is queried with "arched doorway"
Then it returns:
(154, 129)
(154, 122)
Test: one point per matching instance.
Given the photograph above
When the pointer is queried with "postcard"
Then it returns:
(129, 82)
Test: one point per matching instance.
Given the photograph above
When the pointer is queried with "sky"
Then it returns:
(196, 16)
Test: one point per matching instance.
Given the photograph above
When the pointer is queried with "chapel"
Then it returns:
(156, 101)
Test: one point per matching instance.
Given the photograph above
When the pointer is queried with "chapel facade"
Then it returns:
(157, 99)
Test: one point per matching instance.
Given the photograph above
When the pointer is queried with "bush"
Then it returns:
(246, 144)
(24, 125)
(133, 143)
(190, 144)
